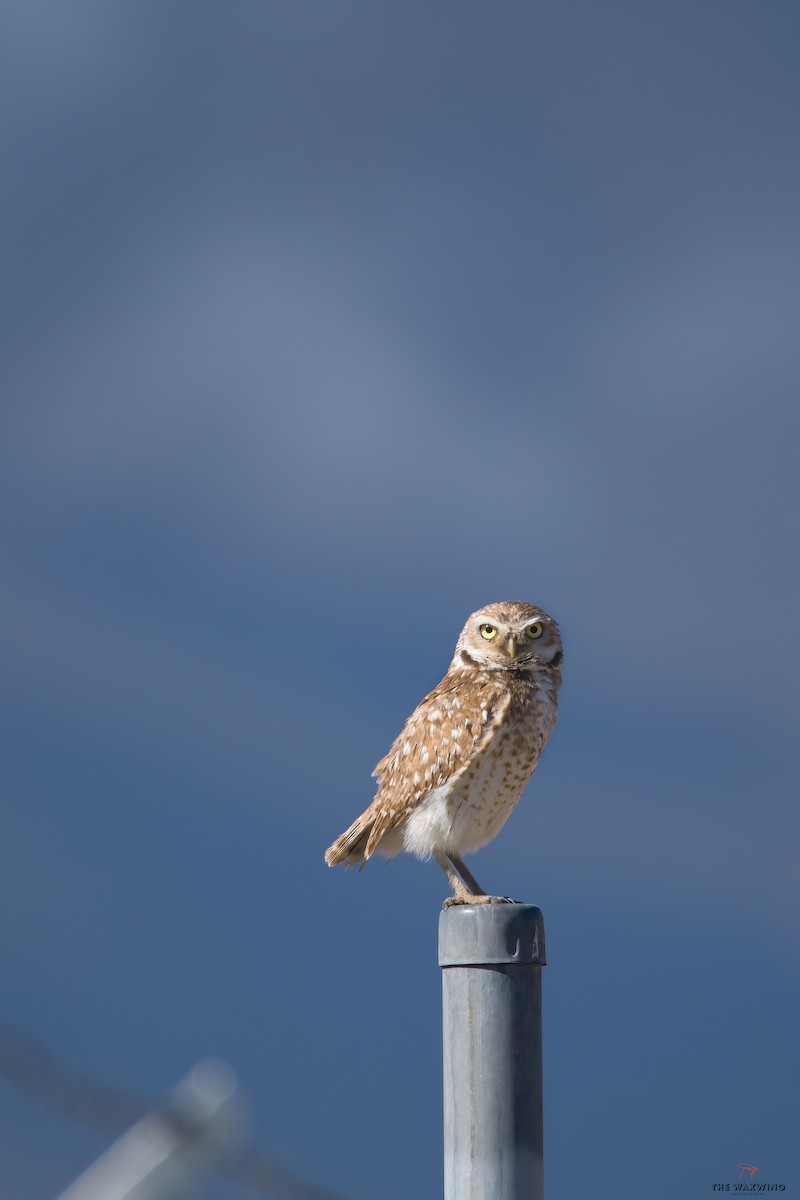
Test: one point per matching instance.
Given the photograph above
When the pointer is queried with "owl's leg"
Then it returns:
(467, 876)
(477, 895)
(462, 893)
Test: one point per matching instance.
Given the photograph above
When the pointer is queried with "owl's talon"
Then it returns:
(466, 899)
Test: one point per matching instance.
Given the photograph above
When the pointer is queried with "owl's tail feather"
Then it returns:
(351, 847)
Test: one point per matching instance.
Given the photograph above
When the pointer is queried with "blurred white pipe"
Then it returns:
(165, 1154)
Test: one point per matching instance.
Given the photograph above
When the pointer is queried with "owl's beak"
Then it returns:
(512, 647)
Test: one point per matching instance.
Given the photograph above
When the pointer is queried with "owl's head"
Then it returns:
(509, 636)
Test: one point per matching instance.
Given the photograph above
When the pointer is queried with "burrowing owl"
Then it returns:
(454, 776)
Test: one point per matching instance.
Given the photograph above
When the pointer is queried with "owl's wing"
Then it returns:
(439, 742)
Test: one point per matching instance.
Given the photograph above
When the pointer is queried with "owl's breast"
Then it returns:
(471, 809)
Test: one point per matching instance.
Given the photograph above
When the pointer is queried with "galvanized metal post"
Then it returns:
(492, 957)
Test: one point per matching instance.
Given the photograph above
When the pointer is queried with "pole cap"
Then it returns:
(472, 935)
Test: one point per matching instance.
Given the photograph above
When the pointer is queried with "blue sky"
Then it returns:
(325, 325)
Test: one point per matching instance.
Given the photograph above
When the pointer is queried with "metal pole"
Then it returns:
(166, 1154)
(492, 957)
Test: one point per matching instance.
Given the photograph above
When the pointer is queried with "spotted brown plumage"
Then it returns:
(455, 773)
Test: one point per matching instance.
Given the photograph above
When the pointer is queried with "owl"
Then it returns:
(454, 775)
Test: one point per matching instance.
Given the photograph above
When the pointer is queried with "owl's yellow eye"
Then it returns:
(535, 631)
(488, 632)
